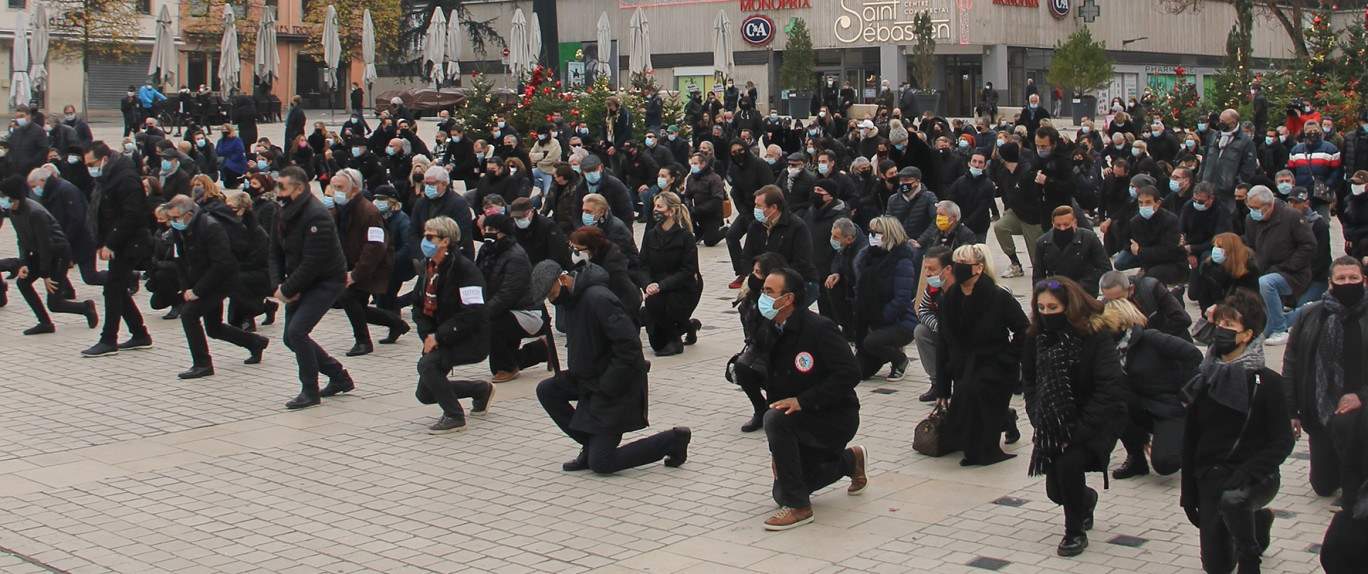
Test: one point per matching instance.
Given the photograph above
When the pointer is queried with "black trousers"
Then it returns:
(301, 316)
(709, 229)
(354, 303)
(506, 351)
(435, 388)
(667, 315)
(605, 454)
(1343, 550)
(1226, 521)
(1066, 485)
(1332, 450)
(118, 302)
(753, 384)
(803, 462)
(1166, 452)
(57, 302)
(881, 347)
(976, 418)
(205, 315)
(735, 232)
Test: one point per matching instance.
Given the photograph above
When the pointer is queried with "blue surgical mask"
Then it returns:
(774, 116)
(900, 147)
(770, 160)
(201, 142)
(5, 203)
(23, 122)
(339, 198)
(1000, 142)
(94, 170)
(261, 165)
(1201, 126)
(823, 168)
(1173, 185)
(430, 191)
(575, 167)
(429, 248)
(1135, 151)
(586, 219)
(836, 245)
(695, 168)
(1269, 140)
(1034, 106)
(759, 214)
(390, 151)
(812, 151)
(456, 139)
(650, 142)
(1147, 211)
(1284, 188)
(502, 124)
(176, 224)
(1157, 133)
(166, 165)
(328, 201)
(766, 306)
(935, 281)
(381, 205)
(661, 183)
(963, 143)
(1256, 214)
(1218, 256)
(975, 171)
(356, 152)
(1190, 144)
(1199, 206)
(1134, 193)
(593, 177)
(1086, 130)
(72, 159)
(38, 192)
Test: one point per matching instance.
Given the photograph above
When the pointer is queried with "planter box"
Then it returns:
(928, 101)
(799, 104)
(1083, 108)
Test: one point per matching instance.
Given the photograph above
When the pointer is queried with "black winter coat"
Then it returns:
(1162, 311)
(1301, 362)
(1157, 365)
(121, 210)
(974, 196)
(670, 260)
(747, 177)
(819, 222)
(305, 248)
(798, 190)
(449, 204)
(788, 237)
(1098, 392)
(1252, 446)
(460, 321)
(605, 367)
(543, 241)
(1084, 259)
(508, 277)
(1283, 243)
(979, 338)
(205, 263)
(612, 189)
(68, 205)
(1200, 227)
(705, 193)
(1160, 240)
(41, 245)
(621, 279)
(810, 361)
(254, 273)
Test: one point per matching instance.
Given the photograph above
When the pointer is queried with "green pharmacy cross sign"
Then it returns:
(1089, 11)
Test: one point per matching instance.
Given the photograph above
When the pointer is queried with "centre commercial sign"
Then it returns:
(882, 21)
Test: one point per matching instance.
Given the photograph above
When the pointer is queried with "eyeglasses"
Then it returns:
(1043, 285)
(431, 236)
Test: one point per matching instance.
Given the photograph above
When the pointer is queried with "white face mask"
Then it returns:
(577, 256)
(1358, 189)
(794, 171)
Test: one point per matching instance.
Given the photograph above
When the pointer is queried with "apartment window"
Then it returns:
(18, 4)
(144, 6)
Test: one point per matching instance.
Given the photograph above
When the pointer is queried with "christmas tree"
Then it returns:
(1231, 86)
(1179, 106)
(482, 104)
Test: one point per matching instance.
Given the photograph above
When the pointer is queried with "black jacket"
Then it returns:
(670, 260)
(542, 241)
(42, 247)
(958, 235)
(1200, 227)
(254, 271)
(178, 183)
(28, 148)
(68, 206)
(1283, 243)
(1300, 363)
(461, 321)
(798, 189)
(1160, 240)
(1084, 259)
(508, 277)
(621, 279)
(639, 169)
(1162, 311)
(819, 222)
(1157, 365)
(747, 177)
(705, 193)
(1098, 392)
(1252, 446)
(120, 206)
(1217, 284)
(605, 367)
(449, 204)
(974, 196)
(612, 189)
(205, 263)
(788, 237)
(979, 338)
(810, 360)
(305, 247)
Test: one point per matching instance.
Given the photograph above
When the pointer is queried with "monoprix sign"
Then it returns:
(757, 30)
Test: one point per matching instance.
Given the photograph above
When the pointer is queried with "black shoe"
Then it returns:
(756, 423)
(303, 401)
(256, 352)
(360, 349)
(172, 314)
(136, 343)
(340, 384)
(4, 292)
(670, 349)
(928, 397)
(197, 372)
(1013, 432)
(1087, 521)
(581, 462)
(1134, 466)
(692, 336)
(271, 308)
(40, 329)
(897, 370)
(1073, 544)
(92, 317)
(395, 333)
(1263, 528)
(680, 452)
(479, 405)
(100, 349)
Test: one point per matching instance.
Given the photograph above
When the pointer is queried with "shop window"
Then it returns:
(144, 6)
(18, 4)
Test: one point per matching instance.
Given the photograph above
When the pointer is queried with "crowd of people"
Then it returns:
(881, 221)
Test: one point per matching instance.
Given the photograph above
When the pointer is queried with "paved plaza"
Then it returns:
(115, 465)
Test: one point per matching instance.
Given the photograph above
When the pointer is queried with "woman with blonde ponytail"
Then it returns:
(669, 276)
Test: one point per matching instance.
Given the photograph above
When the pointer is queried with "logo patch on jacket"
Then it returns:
(803, 362)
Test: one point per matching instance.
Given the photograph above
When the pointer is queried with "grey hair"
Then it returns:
(1286, 172)
(182, 204)
(951, 208)
(39, 174)
(353, 177)
(846, 226)
(1260, 193)
(438, 173)
(1112, 280)
(444, 227)
(408, 147)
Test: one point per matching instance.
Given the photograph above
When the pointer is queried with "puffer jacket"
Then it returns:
(508, 277)
(888, 279)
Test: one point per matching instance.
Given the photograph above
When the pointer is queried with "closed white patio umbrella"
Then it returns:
(164, 61)
(230, 66)
(38, 48)
(605, 45)
(517, 43)
(369, 75)
(332, 52)
(639, 58)
(534, 45)
(21, 90)
(267, 52)
(453, 46)
(723, 60)
(434, 45)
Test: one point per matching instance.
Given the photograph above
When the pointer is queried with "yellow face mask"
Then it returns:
(943, 222)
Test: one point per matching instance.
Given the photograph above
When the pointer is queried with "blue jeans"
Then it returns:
(1272, 287)
(1313, 293)
(541, 179)
(301, 316)
(648, 201)
(1126, 260)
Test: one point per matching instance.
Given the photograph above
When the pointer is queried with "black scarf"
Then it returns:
(1057, 355)
(1330, 358)
(1227, 383)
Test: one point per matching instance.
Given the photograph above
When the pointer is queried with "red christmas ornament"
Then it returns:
(557, 83)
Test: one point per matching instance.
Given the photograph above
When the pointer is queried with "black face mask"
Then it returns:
(755, 284)
(963, 272)
(1064, 236)
(1314, 138)
(1348, 295)
(1224, 342)
(658, 216)
(1057, 322)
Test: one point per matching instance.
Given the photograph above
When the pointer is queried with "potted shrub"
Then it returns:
(924, 63)
(1081, 67)
(798, 71)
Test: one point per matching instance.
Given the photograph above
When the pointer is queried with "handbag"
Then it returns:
(1322, 192)
(926, 438)
(726, 207)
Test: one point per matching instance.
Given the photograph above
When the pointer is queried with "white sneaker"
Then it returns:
(1013, 271)
(1276, 339)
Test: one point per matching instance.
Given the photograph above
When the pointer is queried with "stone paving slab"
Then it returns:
(114, 465)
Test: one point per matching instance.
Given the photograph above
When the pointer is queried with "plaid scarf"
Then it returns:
(430, 292)
(1056, 411)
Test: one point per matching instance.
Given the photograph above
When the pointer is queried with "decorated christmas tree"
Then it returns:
(1180, 104)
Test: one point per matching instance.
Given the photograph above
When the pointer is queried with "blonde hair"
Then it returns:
(676, 212)
(211, 189)
(239, 201)
(977, 253)
(599, 202)
(891, 229)
(1127, 314)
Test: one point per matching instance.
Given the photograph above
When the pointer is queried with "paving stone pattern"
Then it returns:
(115, 465)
